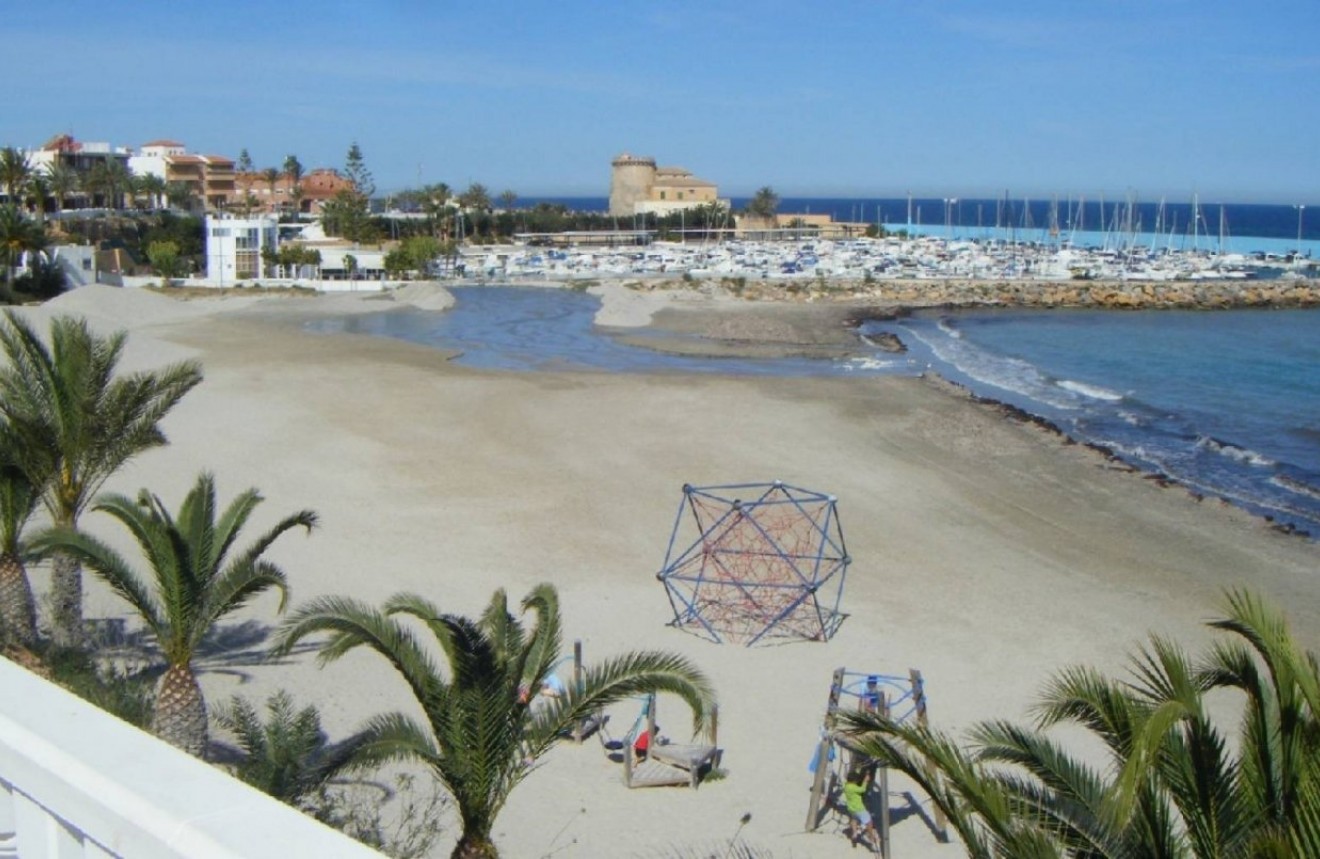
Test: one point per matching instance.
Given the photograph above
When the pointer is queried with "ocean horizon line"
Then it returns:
(967, 217)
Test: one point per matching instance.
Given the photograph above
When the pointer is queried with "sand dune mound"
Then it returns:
(424, 296)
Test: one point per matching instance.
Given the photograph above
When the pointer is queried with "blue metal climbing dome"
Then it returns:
(756, 560)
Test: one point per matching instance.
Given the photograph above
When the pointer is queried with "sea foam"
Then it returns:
(1095, 392)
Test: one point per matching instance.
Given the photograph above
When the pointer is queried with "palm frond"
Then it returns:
(977, 807)
(626, 676)
(1058, 788)
(1084, 696)
(351, 624)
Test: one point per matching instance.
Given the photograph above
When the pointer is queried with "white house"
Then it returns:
(234, 246)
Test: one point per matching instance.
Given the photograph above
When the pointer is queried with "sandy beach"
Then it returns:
(987, 552)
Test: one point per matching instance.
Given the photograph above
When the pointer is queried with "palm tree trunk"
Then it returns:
(18, 615)
(180, 717)
(66, 619)
(473, 846)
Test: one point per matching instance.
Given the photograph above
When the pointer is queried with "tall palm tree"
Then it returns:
(272, 177)
(435, 203)
(1175, 786)
(14, 173)
(98, 183)
(193, 582)
(481, 736)
(765, 203)
(37, 188)
(77, 421)
(150, 188)
(18, 500)
(293, 169)
(181, 195)
(63, 182)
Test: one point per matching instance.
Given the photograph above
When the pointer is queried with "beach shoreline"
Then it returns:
(987, 552)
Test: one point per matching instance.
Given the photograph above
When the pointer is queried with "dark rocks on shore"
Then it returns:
(887, 342)
(888, 300)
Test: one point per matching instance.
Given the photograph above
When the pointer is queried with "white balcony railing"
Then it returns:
(77, 782)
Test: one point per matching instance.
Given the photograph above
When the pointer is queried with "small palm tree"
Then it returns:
(18, 234)
(74, 423)
(481, 737)
(1174, 786)
(287, 755)
(193, 582)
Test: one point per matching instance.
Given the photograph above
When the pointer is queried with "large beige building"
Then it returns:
(210, 178)
(638, 186)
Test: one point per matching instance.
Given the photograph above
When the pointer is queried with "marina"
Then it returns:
(890, 259)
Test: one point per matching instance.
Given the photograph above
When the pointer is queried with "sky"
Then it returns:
(938, 98)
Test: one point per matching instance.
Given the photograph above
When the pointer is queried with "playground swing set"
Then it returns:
(901, 699)
(554, 685)
(660, 763)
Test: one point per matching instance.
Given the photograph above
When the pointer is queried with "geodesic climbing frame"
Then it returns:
(756, 560)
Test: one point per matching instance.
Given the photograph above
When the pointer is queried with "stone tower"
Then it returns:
(630, 182)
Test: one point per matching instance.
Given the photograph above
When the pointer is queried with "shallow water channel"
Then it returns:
(533, 328)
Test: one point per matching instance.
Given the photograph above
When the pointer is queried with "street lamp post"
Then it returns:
(1300, 210)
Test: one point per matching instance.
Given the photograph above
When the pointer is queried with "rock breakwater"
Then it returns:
(1117, 295)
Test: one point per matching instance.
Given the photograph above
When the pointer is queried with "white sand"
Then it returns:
(986, 553)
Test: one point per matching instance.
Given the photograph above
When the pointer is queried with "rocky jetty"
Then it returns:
(1116, 295)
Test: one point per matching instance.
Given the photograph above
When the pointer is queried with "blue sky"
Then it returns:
(866, 99)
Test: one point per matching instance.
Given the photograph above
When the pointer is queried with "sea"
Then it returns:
(1191, 224)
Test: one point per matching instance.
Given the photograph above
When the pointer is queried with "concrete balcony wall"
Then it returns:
(77, 782)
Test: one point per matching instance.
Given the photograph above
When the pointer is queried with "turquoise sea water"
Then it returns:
(1225, 402)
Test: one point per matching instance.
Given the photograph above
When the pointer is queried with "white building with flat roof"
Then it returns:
(234, 247)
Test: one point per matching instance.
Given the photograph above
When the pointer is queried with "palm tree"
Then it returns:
(37, 188)
(17, 235)
(14, 173)
(18, 500)
(244, 169)
(98, 183)
(193, 583)
(287, 755)
(272, 177)
(75, 420)
(764, 204)
(181, 195)
(435, 203)
(1174, 786)
(294, 170)
(481, 737)
(63, 182)
(151, 187)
